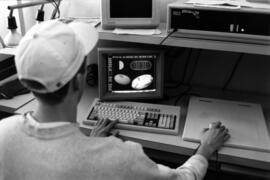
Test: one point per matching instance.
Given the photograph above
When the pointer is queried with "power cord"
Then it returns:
(56, 10)
(233, 72)
(195, 66)
(168, 35)
(188, 84)
(180, 96)
(173, 53)
(2, 42)
(184, 72)
(216, 165)
(195, 151)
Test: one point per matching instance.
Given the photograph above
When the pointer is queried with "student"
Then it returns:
(47, 143)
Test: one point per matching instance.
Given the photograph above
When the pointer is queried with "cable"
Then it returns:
(164, 39)
(216, 165)
(184, 72)
(180, 96)
(56, 10)
(194, 66)
(195, 151)
(233, 72)
(189, 81)
(52, 2)
(173, 53)
(2, 42)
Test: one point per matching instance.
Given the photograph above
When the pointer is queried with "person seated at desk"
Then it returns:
(48, 144)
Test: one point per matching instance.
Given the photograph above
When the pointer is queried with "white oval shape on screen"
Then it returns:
(142, 81)
(122, 79)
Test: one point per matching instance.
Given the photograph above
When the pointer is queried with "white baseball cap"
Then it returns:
(52, 52)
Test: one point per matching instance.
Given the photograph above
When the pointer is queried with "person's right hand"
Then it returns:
(212, 139)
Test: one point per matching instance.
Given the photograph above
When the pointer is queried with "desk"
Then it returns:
(177, 42)
(187, 42)
(170, 143)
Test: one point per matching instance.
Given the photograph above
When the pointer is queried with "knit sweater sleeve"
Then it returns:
(141, 166)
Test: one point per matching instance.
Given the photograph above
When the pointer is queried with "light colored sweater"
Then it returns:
(59, 151)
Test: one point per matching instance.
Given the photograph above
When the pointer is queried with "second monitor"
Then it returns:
(129, 73)
(130, 14)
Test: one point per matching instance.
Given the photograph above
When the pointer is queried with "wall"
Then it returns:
(163, 9)
(69, 8)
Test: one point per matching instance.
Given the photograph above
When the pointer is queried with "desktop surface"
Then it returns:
(168, 143)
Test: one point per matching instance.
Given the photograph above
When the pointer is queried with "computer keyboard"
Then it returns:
(163, 119)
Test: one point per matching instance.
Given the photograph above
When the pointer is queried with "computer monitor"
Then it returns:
(130, 74)
(130, 13)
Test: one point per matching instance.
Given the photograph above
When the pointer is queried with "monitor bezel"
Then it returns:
(159, 80)
(111, 23)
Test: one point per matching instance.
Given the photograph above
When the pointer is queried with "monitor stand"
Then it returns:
(245, 122)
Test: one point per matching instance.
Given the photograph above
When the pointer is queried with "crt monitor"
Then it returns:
(130, 13)
(129, 73)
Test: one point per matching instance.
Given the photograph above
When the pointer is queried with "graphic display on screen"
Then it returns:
(130, 73)
(131, 9)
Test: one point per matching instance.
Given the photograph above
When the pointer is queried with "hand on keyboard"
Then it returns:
(103, 128)
(153, 118)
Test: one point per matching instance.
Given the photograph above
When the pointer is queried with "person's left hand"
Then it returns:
(103, 128)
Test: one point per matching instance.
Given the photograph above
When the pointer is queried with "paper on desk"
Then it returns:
(228, 3)
(137, 31)
(94, 21)
(256, 5)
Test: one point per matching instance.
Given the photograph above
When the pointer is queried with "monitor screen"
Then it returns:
(130, 14)
(131, 9)
(127, 73)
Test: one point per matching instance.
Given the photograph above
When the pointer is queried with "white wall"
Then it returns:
(163, 9)
(69, 8)
(81, 8)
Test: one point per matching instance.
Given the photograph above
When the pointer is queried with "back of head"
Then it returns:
(51, 53)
